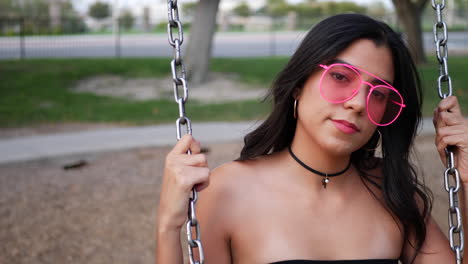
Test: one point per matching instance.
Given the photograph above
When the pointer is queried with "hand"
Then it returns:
(181, 173)
(452, 130)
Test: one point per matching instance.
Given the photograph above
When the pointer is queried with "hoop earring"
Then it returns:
(295, 108)
(378, 141)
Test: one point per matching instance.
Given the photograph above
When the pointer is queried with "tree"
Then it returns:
(198, 51)
(126, 19)
(99, 10)
(461, 7)
(7, 8)
(189, 9)
(409, 14)
(307, 10)
(333, 8)
(377, 9)
(242, 10)
(146, 18)
(277, 8)
(33, 8)
(67, 9)
(38, 16)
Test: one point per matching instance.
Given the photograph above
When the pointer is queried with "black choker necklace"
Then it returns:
(326, 175)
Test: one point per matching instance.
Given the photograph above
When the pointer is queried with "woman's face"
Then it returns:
(343, 127)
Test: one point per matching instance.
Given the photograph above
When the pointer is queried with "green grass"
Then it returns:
(458, 68)
(36, 91)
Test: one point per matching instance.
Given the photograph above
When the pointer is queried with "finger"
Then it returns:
(443, 157)
(195, 147)
(435, 117)
(452, 130)
(200, 187)
(441, 150)
(449, 104)
(450, 119)
(201, 177)
(438, 121)
(443, 119)
(444, 142)
(188, 177)
(183, 145)
(198, 160)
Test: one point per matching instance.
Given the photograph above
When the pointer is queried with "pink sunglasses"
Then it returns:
(340, 82)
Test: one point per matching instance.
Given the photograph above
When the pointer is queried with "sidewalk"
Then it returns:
(55, 145)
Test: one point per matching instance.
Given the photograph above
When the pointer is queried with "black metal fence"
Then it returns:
(71, 37)
(42, 37)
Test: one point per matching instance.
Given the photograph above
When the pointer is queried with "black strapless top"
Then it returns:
(358, 261)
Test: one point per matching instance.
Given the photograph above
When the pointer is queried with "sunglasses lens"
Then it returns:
(340, 83)
(383, 105)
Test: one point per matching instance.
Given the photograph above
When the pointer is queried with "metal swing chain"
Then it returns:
(179, 79)
(454, 211)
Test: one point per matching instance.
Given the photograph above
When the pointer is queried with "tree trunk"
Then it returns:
(55, 15)
(409, 14)
(198, 53)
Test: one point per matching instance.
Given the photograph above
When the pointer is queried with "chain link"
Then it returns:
(451, 174)
(436, 3)
(179, 81)
(440, 40)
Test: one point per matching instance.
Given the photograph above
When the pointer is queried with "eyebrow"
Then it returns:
(344, 62)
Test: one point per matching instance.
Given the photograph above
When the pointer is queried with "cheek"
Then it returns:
(310, 90)
(315, 111)
(311, 103)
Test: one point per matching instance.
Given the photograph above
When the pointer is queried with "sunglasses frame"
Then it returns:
(372, 87)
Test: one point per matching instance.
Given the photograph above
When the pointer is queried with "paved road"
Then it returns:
(156, 45)
(54, 145)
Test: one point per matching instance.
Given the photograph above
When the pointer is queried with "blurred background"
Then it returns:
(88, 28)
(87, 107)
(115, 41)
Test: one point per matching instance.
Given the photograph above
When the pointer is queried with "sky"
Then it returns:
(159, 7)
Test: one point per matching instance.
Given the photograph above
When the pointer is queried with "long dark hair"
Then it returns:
(404, 195)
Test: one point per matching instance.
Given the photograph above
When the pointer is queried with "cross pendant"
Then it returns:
(325, 181)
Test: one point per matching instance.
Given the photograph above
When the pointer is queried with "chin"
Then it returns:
(340, 148)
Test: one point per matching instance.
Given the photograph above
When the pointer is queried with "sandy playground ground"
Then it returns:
(105, 211)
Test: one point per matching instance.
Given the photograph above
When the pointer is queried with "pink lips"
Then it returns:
(345, 127)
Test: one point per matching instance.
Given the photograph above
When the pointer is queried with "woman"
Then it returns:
(307, 185)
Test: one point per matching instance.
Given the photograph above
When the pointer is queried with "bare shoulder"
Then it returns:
(228, 183)
(232, 172)
(219, 205)
(231, 180)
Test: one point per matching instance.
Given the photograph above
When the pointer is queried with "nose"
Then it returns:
(358, 101)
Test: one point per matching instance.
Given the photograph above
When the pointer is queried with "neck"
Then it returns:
(322, 161)
(319, 159)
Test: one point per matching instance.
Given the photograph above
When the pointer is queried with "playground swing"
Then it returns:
(454, 212)
(179, 80)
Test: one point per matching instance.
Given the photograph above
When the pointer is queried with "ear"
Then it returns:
(297, 93)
